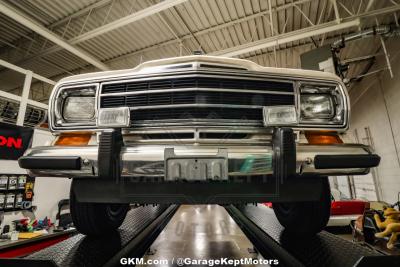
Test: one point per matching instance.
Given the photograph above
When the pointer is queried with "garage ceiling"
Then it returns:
(121, 34)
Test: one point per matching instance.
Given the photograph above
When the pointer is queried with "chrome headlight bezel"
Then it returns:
(57, 100)
(339, 100)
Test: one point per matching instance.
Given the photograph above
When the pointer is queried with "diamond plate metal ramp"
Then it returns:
(325, 249)
(81, 250)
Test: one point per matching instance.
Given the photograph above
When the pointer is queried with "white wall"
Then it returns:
(47, 191)
(375, 104)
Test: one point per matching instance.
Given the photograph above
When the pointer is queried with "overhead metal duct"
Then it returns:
(381, 30)
(384, 30)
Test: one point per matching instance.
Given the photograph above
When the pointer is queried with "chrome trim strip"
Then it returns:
(197, 122)
(204, 65)
(196, 106)
(201, 129)
(165, 70)
(203, 141)
(195, 89)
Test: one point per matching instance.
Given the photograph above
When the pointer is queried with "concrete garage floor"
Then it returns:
(201, 232)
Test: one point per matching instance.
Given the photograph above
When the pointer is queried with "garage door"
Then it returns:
(365, 187)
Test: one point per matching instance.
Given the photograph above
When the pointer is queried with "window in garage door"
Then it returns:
(366, 186)
(359, 186)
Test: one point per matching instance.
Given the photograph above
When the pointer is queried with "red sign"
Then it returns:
(11, 142)
(14, 140)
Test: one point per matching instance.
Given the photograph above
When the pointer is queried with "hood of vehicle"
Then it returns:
(162, 65)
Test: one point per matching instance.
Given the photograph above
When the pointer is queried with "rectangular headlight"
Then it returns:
(114, 117)
(79, 108)
(75, 105)
(279, 115)
(316, 106)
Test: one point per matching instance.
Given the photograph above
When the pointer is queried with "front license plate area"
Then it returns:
(198, 167)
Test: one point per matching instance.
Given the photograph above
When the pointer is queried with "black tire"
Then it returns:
(96, 218)
(305, 218)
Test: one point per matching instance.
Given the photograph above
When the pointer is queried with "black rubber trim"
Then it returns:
(109, 154)
(50, 163)
(346, 161)
(284, 158)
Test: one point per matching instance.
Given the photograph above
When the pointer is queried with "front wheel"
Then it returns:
(305, 218)
(96, 218)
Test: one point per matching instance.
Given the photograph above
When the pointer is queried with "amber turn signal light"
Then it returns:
(322, 138)
(73, 139)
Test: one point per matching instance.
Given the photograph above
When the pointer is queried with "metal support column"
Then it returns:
(24, 98)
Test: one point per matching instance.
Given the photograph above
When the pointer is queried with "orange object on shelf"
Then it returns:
(24, 235)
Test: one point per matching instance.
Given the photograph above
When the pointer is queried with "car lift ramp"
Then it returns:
(140, 228)
(143, 224)
(325, 249)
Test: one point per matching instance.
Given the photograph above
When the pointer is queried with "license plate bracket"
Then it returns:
(196, 167)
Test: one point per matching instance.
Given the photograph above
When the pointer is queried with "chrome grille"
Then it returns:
(197, 99)
(197, 82)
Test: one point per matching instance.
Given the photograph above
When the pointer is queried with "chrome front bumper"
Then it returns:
(148, 160)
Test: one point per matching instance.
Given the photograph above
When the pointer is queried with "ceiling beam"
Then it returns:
(273, 41)
(377, 12)
(141, 14)
(18, 99)
(210, 29)
(24, 71)
(369, 5)
(336, 9)
(175, 41)
(81, 12)
(286, 38)
(40, 29)
(151, 10)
